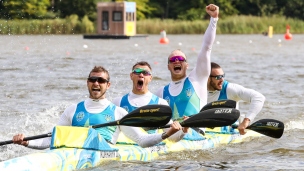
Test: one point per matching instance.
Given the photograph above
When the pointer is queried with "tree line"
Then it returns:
(148, 9)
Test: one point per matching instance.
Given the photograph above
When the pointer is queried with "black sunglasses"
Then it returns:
(98, 79)
(218, 77)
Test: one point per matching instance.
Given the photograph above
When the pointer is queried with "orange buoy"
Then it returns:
(288, 36)
(163, 39)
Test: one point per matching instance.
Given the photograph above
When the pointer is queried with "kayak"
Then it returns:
(74, 148)
(76, 158)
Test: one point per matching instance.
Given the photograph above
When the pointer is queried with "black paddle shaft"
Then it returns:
(217, 117)
(27, 138)
(145, 116)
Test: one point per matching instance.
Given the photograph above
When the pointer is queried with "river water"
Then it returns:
(42, 75)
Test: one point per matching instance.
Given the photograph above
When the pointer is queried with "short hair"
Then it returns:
(143, 63)
(100, 69)
(185, 56)
(214, 65)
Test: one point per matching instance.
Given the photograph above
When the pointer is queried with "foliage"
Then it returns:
(176, 16)
(143, 8)
(79, 7)
(69, 25)
(230, 25)
(24, 9)
(294, 8)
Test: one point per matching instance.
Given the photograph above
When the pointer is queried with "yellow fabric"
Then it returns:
(78, 137)
(69, 136)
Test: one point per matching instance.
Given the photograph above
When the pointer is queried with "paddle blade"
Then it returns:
(270, 127)
(217, 117)
(148, 116)
(220, 104)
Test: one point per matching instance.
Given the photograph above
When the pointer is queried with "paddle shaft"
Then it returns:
(28, 138)
(149, 115)
(216, 104)
(211, 118)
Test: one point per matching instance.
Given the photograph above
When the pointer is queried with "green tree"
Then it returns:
(24, 9)
(294, 9)
(260, 7)
(143, 9)
(190, 9)
(78, 7)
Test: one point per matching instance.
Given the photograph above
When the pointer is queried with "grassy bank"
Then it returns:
(71, 25)
(229, 25)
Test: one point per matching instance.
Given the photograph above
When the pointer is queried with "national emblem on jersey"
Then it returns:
(108, 117)
(126, 108)
(79, 116)
(167, 99)
(188, 92)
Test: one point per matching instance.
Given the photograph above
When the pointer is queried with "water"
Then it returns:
(42, 75)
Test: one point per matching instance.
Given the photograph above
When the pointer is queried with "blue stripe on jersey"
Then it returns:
(124, 103)
(186, 103)
(83, 118)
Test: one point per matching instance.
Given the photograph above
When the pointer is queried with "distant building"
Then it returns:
(116, 18)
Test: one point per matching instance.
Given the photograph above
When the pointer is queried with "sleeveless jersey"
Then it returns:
(83, 118)
(223, 96)
(186, 103)
(124, 103)
(223, 93)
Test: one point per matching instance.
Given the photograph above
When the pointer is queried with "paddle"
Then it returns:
(270, 127)
(211, 118)
(146, 116)
(220, 104)
(216, 104)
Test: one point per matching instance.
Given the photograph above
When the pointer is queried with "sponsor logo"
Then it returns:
(223, 111)
(149, 110)
(157, 148)
(108, 154)
(273, 124)
(79, 116)
(218, 103)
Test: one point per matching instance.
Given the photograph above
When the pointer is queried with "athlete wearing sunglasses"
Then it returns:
(176, 59)
(187, 93)
(97, 109)
(220, 89)
(140, 96)
(100, 80)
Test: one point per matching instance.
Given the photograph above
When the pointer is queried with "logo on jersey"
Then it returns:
(188, 92)
(79, 116)
(126, 108)
(108, 117)
(167, 99)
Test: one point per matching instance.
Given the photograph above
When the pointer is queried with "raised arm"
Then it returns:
(202, 69)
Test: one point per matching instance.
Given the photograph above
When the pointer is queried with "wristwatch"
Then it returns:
(164, 135)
